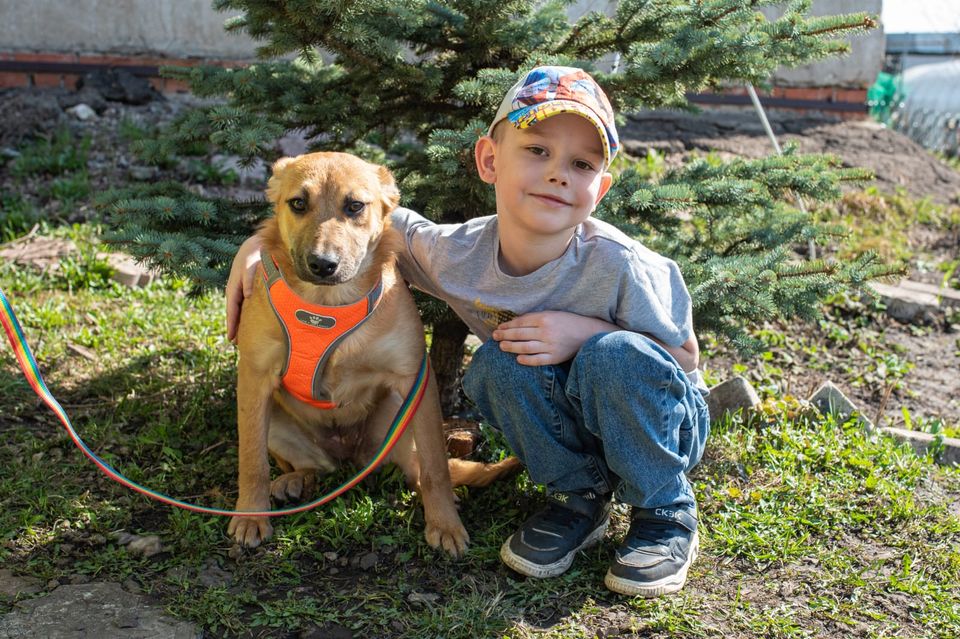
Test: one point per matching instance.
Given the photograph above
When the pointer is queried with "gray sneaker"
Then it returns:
(654, 558)
(546, 544)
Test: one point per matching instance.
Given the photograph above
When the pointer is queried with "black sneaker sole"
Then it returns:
(542, 571)
(665, 586)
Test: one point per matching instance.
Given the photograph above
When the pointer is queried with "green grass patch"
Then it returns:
(809, 527)
(57, 155)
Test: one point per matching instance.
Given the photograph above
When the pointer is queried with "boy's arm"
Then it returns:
(240, 282)
(552, 337)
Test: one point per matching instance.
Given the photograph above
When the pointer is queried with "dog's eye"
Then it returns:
(297, 204)
(354, 207)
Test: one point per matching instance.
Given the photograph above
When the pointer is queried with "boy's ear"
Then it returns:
(484, 152)
(605, 182)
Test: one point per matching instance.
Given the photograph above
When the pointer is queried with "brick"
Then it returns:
(70, 81)
(47, 80)
(44, 57)
(11, 80)
(175, 86)
(856, 96)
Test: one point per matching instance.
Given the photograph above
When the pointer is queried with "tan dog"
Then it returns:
(330, 239)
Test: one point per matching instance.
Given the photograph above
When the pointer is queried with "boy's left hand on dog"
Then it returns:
(548, 337)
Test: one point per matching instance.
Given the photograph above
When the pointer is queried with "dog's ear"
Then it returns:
(389, 190)
(273, 185)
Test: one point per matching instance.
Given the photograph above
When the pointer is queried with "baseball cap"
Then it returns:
(547, 91)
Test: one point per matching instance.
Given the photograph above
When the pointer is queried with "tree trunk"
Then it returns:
(446, 357)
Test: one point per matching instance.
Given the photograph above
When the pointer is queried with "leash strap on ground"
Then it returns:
(32, 373)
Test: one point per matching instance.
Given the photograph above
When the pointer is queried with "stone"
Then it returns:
(13, 586)
(88, 96)
(144, 173)
(120, 85)
(27, 114)
(126, 271)
(830, 400)
(92, 610)
(909, 305)
(949, 453)
(423, 597)
(731, 396)
(82, 112)
(369, 560)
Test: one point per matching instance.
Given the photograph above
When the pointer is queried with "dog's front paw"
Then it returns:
(452, 537)
(250, 531)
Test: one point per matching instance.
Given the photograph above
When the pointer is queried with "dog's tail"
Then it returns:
(473, 473)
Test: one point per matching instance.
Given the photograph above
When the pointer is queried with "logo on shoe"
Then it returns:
(666, 512)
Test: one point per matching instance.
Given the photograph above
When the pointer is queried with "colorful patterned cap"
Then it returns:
(547, 91)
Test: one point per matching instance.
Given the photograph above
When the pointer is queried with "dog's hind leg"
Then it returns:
(298, 455)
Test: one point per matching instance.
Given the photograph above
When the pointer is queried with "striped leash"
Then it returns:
(32, 374)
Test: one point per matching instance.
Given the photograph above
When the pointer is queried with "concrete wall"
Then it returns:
(859, 69)
(166, 28)
(191, 28)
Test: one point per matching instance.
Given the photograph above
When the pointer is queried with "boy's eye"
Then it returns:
(585, 166)
(537, 150)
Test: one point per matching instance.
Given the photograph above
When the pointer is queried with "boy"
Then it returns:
(586, 377)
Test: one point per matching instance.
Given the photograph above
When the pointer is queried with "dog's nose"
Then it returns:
(322, 266)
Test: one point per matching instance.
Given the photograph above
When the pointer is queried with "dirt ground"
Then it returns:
(931, 387)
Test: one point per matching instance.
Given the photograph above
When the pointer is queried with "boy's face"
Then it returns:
(548, 177)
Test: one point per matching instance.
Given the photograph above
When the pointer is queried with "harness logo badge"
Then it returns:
(312, 319)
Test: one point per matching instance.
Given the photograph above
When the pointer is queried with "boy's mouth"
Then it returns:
(550, 199)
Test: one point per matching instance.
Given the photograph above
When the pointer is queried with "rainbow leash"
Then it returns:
(32, 373)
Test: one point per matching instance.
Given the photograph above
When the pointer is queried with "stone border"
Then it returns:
(737, 394)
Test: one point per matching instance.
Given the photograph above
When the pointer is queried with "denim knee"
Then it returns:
(606, 358)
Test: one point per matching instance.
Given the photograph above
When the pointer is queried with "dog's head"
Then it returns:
(331, 210)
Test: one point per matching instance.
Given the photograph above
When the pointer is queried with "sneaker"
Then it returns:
(546, 544)
(653, 560)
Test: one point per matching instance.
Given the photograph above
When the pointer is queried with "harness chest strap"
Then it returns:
(312, 332)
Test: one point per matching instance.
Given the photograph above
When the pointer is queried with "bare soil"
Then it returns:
(931, 387)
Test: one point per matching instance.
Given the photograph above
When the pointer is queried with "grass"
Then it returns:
(809, 527)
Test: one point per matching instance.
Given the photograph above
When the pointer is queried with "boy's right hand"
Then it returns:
(240, 282)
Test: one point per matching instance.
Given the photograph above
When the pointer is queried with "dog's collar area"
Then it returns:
(312, 331)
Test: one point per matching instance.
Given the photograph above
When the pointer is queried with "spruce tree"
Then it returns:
(413, 83)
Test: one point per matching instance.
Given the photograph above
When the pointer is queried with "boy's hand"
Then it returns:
(240, 282)
(548, 337)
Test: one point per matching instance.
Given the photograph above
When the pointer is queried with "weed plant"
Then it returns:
(809, 527)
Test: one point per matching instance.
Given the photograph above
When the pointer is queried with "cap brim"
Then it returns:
(530, 115)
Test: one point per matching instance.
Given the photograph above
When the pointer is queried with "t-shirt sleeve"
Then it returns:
(420, 241)
(654, 298)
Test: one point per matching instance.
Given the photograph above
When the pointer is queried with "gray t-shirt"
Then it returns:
(603, 274)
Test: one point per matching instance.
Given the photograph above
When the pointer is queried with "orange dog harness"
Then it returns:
(312, 331)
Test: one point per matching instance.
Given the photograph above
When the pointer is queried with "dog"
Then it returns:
(329, 245)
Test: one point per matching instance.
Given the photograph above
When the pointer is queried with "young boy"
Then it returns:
(589, 360)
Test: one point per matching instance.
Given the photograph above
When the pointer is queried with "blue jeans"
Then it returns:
(621, 415)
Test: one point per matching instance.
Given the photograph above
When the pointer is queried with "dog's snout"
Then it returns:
(322, 266)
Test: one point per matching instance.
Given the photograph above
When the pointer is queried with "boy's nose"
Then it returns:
(558, 174)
